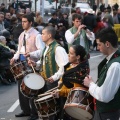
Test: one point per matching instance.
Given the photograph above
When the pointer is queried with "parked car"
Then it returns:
(50, 8)
(84, 7)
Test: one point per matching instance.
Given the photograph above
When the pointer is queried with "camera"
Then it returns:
(85, 28)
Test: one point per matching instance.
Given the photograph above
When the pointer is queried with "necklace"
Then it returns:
(74, 64)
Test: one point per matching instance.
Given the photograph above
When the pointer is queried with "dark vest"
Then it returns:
(73, 30)
(114, 104)
(50, 66)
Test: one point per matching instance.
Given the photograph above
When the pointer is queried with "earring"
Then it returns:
(77, 60)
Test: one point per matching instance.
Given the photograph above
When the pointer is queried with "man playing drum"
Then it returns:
(53, 59)
(106, 90)
(29, 41)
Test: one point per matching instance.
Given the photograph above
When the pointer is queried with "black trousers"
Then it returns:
(61, 114)
(107, 116)
(27, 104)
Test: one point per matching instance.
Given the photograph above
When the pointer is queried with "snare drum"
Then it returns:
(79, 104)
(20, 69)
(31, 85)
(47, 106)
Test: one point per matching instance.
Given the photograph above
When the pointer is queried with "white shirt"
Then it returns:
(39, 44)
(61, 59)
(70, 37)
(107, 91)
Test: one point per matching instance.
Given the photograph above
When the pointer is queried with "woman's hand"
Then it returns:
(55, 93)
(59, 83)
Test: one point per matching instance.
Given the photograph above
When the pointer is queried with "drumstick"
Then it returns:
(28, 58)
(51, 90)
(33, 68)
(44, 94)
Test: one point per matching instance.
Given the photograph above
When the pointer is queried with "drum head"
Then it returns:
(78, 113)
(34, 81)
(44, 98)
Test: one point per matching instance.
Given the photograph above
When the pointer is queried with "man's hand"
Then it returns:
(27, 54)
(50, 80)
(31, 62)
(80, 27)
(13, 51)
(12, 61)
(87, 80)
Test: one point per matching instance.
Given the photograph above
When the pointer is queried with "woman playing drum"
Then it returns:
(75, 72)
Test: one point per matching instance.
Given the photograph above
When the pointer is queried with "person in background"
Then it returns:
(79, 34)
(5, 54)
(7, 20)
(70, 18)
(14, 5)
(2, 8)
(95, 7)
(2, 27)
(38, 18)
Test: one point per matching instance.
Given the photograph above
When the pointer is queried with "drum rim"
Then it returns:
(79, 88)
(37, 75)
(46, 98)
(81, 109)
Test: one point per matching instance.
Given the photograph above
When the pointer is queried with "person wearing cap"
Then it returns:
(90, 20)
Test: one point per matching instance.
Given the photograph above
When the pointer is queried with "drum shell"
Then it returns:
(47, 107)
(79, 100)
(20, 69)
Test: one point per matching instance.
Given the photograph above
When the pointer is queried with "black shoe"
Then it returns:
(12, 80)
(22, 114)
(33, 118)
(5, 82)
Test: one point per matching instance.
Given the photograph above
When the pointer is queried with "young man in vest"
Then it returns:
(53, 60)
(78, 34)
(29, 40)
(106, 90)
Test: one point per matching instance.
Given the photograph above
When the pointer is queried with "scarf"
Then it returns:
(76, 74)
